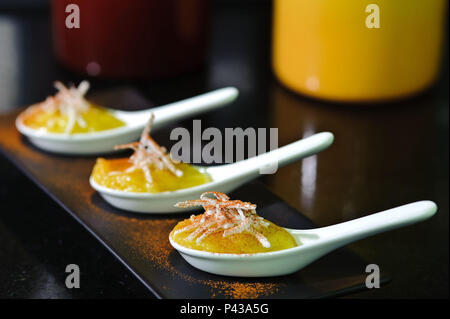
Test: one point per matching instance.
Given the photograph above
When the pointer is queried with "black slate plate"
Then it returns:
(141, 243)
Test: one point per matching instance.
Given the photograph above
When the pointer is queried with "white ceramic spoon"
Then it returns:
(225, 178)
(314, 243)
(104, 141)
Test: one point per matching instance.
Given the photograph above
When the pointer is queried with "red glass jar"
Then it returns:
(134, 39)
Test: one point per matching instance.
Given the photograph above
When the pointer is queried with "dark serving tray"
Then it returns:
(141, 242)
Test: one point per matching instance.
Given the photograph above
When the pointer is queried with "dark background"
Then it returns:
(384, 155)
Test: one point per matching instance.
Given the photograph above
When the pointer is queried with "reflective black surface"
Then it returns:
(384, 155)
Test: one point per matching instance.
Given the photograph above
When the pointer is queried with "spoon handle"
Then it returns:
(282, 156)
(186, 108)
(350, 231)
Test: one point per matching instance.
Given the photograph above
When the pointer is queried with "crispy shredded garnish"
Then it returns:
(70, 102)
(221, 213)
(147, 152)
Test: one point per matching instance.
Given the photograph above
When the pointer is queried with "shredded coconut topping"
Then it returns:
(147, 152)
(221, 213)
(70, 102)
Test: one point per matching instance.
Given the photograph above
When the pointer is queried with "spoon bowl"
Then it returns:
(103, 141)
(313, 244)
(225, 178)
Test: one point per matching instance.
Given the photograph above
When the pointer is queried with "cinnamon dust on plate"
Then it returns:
(153, 243)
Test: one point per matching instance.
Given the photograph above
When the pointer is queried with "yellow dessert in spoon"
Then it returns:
(229, 226)
(149, 170)
(68, 112)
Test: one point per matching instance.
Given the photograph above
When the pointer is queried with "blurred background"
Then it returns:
(302, 66)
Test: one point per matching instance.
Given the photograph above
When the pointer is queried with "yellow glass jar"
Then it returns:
(325, 49)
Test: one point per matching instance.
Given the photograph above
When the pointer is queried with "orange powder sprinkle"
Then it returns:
(153, 243)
